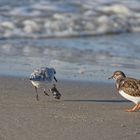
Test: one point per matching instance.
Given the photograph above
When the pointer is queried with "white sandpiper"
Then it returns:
(42, 76)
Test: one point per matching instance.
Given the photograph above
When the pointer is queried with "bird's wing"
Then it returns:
(43, 74)
(46, 74)
(130, 86)
(35, 76)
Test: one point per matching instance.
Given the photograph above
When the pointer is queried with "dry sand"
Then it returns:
(87, 111)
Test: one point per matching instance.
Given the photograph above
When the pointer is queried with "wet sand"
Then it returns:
(86, 111)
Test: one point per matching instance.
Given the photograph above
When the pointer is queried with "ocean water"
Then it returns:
(82, 40)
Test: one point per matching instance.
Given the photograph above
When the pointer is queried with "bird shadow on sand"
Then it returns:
(98, 101)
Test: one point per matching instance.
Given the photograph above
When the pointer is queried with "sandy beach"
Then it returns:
(86, 111)
(83, 40)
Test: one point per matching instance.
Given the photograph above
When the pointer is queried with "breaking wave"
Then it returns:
(61, 18)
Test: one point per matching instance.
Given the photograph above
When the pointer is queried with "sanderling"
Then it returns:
(129, 88)
(42, 76)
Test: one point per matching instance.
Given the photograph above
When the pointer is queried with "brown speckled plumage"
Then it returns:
(130, 86)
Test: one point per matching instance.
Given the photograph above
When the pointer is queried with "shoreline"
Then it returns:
(77, 80)
(84, 110)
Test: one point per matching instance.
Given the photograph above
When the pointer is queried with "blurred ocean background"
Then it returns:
(81, 39)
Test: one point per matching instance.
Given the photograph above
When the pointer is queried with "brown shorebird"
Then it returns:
(129, 88)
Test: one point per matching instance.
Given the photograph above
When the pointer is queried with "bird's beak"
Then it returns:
(110, 78)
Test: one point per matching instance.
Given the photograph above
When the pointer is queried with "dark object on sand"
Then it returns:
(55, 92)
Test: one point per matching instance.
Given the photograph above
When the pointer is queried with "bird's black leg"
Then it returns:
(55, 79)
(37, 98)
(46, 92)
